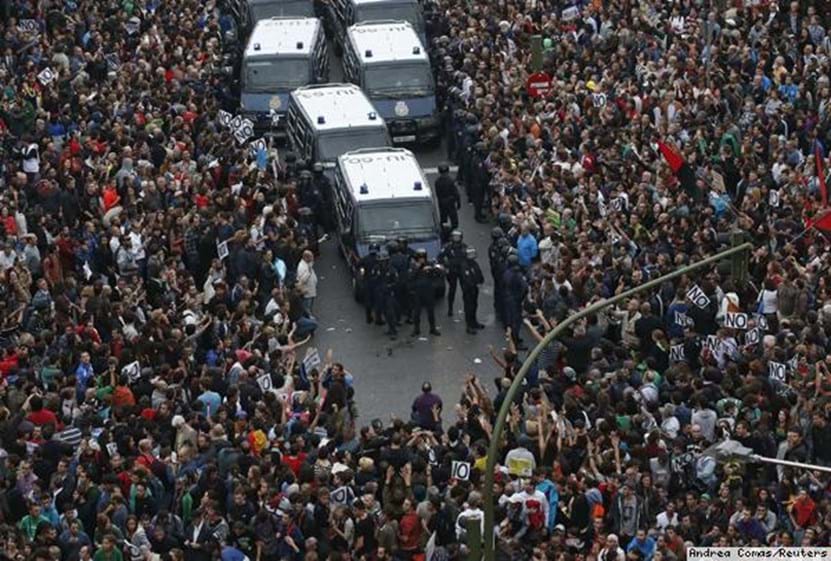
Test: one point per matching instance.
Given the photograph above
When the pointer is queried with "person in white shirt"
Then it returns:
(612, 551)
(667, 518)
(535, 504)
(8, 257)
(307, 280)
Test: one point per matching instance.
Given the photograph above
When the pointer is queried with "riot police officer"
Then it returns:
(324, 191)
(448, 195)
(497, 262)
(307, 228)
(400, 261)
(389, 285)
(423, 278)
(515, 288)
(370, 275)
(479, 181)
(471, 278)
(451, 256)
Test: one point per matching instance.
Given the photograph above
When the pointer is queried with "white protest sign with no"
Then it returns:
(224, 118)
(311, 360)
(46, 76)
(778, 371)
(735, 320)
(222, 250)
(264, 381)
(697, 297)
(676, 353)
(132, 371)
(256, 145)
(460, 470)
(753, 336)
(28, 26)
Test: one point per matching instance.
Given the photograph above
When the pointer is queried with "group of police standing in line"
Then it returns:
(398, 283)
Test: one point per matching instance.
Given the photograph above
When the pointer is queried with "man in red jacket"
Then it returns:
(409, 530)
(40, 416)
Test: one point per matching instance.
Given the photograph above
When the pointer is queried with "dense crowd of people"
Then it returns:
(157, 287)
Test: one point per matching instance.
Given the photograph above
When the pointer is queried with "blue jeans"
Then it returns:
(304, 326)
(308, 304)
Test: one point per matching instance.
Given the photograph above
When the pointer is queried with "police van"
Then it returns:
(341, 14)
(264, 9)
(246, 13)
(382, 194)
(327, 120)
(387, 59)
(282, 54)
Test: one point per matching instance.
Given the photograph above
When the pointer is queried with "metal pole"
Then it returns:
(788, 463)
(496, 438)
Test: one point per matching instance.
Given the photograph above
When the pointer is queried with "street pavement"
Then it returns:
(388, 374)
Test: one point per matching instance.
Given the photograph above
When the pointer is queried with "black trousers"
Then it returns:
(470, 297)
(450, 213)
(427, 305)
(452, 281)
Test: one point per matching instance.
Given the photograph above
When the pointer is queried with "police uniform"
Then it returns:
(471, 277)
(400, 260)
(371, 276)
(496, 259)
(389, 285)
(515, 287)
(323, 188)
(479, 181)
(448, 195)
(422, 282)
(451, 256)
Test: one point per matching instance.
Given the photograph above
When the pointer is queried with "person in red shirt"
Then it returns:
(40, 416)
(803, 510)
(296, 459)
(409, 529)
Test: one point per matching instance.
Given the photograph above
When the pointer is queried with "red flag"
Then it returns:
(672, 157)
(821, 176)
(822, 223)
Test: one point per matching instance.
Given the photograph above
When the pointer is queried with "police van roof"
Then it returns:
(359, 2)
(337, 106)
(283, 36)
(374, 174)
(385, 41)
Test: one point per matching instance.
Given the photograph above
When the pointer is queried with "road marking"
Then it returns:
(435, 170)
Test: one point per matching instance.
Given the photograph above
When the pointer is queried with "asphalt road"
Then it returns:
(388, 374)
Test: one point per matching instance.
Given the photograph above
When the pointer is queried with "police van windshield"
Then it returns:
(398, 80)
(332, 146)
(414, 219)
(386, 10)
(276, 74)
(294, 8)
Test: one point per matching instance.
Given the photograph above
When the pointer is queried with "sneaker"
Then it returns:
(435, 332)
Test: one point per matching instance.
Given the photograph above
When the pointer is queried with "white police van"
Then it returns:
(387, 59)
(341, 14)
(264, 9)
(282, 54)
(382, 194)
(327, 120)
